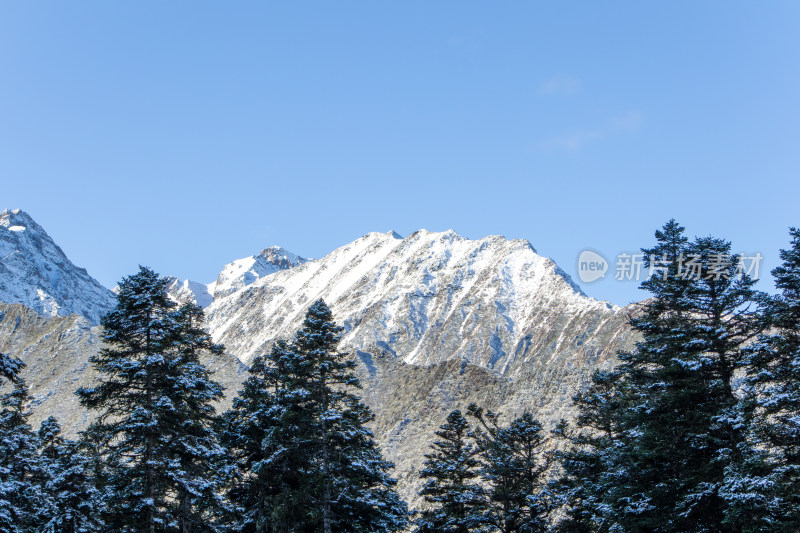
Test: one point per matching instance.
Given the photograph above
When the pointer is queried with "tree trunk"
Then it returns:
(149, 449)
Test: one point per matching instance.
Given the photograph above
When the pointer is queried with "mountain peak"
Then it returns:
(243, 272)
(430, 297)
(190, 291)
(17, 220)
(281, 258)
(35, 272)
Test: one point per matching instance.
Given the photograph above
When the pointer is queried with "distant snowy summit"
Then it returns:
(35, 272)
(235, 276)
(243, 272)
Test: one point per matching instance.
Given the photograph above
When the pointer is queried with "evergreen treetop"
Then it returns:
(155, 429)
(452, 486)
(298, 434)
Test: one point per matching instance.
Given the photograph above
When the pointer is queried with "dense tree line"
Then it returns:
(292, 455)
(696, 430)
(486, 476)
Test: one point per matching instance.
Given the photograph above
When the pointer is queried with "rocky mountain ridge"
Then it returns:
(428, 298)
(35, 272)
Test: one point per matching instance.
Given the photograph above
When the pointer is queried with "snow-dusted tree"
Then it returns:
(513, 464)
(270, 435)
(682, 422)
(155, 429)
(68, 481)
(679, 427)
(587, 480)
(196, 471)
(297, 430)
(24, 505)
(452, 487)
(9, 367)
(764, 491)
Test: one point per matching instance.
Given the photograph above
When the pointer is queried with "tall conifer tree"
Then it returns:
(587, 461)
(764, 491)
(271, 438)
(75, 500)
(457, 501)
(513, 465)
(299, 433)
(155, 425)
(24, 504)
(664, 467)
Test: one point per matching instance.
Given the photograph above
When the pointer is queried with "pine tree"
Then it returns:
(68, 481)
(452, 470)
(155, 429)
(513, 468)
(9, 367)
(197, 451)
(588, 476)
(683, 425)
(664, 469)
(270, 436)
(24, 505)
(299, 433)
(765, 490)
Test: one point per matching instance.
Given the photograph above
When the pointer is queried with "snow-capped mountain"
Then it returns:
(243, 272)
(235, 276)
(190, 291)
(36, 273)
(428, 298)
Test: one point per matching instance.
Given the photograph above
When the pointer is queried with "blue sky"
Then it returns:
(183, 135)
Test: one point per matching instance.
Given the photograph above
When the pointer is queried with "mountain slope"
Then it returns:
(429, 298)
(56, 352)
(35, 272)
(235, 276)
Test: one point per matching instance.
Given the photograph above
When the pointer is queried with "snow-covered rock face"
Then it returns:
(36, 273)
(235, 276)
(190, 291)
(243, 272)
(428, 298)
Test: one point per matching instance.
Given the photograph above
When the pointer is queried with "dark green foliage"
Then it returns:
(453, 490)
(9, 367)
(68, 482)
(512, 468)
(271, 441)
(24, 505)
(155, 430)
(658, 462)
(765, 489)
(586, 480)
(297, 433)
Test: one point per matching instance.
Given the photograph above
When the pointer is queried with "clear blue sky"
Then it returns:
(183, 135)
